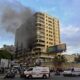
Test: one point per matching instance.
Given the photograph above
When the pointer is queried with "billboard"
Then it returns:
(4, 63)
(52, 49)
(57, 48)
(61, 47)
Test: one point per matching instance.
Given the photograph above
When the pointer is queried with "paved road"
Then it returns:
(53, 77)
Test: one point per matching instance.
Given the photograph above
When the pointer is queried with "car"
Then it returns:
(72, 72)
(37, 72)
(67, 73)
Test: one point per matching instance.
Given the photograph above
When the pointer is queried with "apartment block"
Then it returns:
(38, 33)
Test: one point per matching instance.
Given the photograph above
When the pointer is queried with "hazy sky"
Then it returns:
(67, 11)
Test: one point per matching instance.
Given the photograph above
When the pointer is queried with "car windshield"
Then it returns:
(30, 69)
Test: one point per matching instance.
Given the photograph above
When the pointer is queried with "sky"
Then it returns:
(67, 11)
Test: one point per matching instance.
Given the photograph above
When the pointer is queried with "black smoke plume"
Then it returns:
(13, 15)
(17, 19)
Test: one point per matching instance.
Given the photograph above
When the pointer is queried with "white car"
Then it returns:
(72, 72)
(37, 72)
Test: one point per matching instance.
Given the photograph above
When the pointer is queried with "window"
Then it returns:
(50, 43)
(39, 44)
(49, 18)
(46, 30)
(50, 21)
(50, 31)
(50, 25)
(50, 35)
(30, 69)
(47, 38)
(50, 39)
(41, 41)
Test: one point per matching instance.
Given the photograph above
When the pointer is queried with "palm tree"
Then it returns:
(58, 61)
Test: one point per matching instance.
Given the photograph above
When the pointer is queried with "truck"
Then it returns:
(37, 72)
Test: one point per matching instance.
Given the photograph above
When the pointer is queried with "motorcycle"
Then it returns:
(10, 74)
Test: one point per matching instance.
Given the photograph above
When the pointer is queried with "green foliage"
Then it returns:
(77, 59)
(59, 59)
(5, 54)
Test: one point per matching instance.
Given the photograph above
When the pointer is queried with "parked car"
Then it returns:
(37, 72)
(72, 72)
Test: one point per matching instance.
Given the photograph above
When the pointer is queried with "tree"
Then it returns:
(5, 54)
(58, 61)
(77, 59)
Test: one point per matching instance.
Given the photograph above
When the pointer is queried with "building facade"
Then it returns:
(47, 32)
(37, 34)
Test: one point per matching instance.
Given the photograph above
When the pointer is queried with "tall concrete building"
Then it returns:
(47, 32)
(38, 33)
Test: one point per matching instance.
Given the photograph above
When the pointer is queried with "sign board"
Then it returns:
(4, 62)
(57, 48)
(61, 47)
(52, 49)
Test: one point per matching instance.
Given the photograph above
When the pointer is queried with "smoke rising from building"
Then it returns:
(13, 15)
(25, 34)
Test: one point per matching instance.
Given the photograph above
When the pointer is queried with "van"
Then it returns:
(72, 72)
(37, 72)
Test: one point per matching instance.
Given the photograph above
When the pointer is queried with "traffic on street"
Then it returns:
(52, 77)
(40, 73)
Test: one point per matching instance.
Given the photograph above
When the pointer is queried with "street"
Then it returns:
(53, 77)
